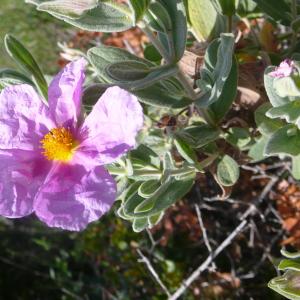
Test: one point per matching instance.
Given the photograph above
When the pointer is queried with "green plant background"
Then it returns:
(101, 262)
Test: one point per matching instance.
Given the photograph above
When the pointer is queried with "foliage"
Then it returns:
(171, 155)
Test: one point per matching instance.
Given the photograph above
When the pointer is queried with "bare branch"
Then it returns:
(186, 283)
(146, 261)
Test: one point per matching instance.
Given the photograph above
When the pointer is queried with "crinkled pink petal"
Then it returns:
(72, 197)
(285, 69)
(111, 128)
(65, 93)
(20, 179)
(24, 118)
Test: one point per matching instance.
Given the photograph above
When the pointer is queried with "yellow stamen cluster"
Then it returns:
(59, 144)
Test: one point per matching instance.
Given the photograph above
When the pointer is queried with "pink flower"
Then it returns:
(285, 69)
(51, 158)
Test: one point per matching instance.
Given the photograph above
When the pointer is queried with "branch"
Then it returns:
(186, 283)
(146, 261)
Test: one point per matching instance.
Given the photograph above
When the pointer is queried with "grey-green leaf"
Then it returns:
(228, 171)
(265, 124)
(287, 285)
(139, 224)
(286, 87)
(257, 151)
(138, 8)
(289, 112)
(148, 188)
(12, 77)
(228, 94)
(23, 57)
(218, 60)
(199, 136)
(274, 98)
(296, 167)
(205, 21)
(169, 192)
(162, 94)
(68, 8)
(185, 150)
(177, 13)
(285, 140)
(107, 16)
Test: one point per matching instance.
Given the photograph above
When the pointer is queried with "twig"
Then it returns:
(146, 261)
(186, 283)
(204, 232)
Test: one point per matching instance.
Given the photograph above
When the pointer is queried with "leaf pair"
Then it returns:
(218, 77)
(153, 85)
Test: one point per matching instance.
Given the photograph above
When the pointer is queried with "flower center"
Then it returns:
(59, 144)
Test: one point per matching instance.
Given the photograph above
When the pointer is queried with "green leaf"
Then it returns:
(274, 98)
(286, 87)
(246, 7)
(12, 77)
(205, 21)
(121, 214)
(256, 152)
(102, 56)
(296, 167)
(155, 219)
(138, 8)
(228, 94)
(228, 171)
(161, 94)
(218, 61)
(199, 136)
(151, 53)
(229, 6)
(158, 18)
(289, 112)
(146, 154)
(177, 12)
(68, 8)
(128, 70)
(107, 16)
(287, 285)
(169, 192)
(131, 202)
(185, 151)
(279, 10)
(139, 224)
(92, 94)
(288, 254)
(22, 56)
(135, 75)
(285, 140)
(287, 264)
(239, 137)
(264, 124)
(148, 188)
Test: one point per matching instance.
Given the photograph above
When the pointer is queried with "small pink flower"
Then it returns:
(51, 158)
(285, 69)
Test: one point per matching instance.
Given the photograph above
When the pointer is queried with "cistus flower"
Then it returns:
(285, 69)
(51, 158)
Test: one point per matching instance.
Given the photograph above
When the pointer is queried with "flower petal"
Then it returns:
(24, 118)
(19, 183)
(65, 93)
(72, 197)
(111, 128)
